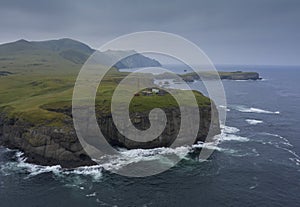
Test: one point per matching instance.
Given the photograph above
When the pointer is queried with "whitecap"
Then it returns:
(91, 195)
(285, 141)
(254, 110)
(228, 134)
(232, 137)
(4, 149)
(20, 165)
(253, 186)
(213, 146)
(253, 121)
(296, 160)
(95, 171)
(224, 107)
(125, 158)
(284, 145)
(229, 129)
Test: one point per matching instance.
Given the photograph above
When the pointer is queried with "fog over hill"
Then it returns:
(66, 51)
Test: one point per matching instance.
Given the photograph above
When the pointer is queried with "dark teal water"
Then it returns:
(256, 164)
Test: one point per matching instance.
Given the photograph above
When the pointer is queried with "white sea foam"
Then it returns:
(127, 157)
(285, 141)
(232, 137)
(296, 160)
(229, 130)
(124, 158)
(224, 107)
(253, 186)
(254, 110)
(284, 145)
(229, 134)
(4, 149)
(253, 121)
(213, 146)
(91, 195)
(94, 171)
(33, 169)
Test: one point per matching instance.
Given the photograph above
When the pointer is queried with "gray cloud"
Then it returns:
(229, 31)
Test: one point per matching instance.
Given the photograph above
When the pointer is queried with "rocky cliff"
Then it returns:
(49, 145)
(35, 106)
(237, 75)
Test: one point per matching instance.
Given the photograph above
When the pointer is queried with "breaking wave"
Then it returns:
(253, 121)
(254, 110)
(125, 158)
(229, 134)
(20, 165)
(224, 107)
(282, 144)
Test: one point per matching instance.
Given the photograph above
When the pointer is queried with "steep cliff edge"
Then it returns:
(52, 145)
(237, 75)
(190, 77)
(35, 106)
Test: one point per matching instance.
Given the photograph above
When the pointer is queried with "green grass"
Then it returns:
(36, 97)
(42, 83)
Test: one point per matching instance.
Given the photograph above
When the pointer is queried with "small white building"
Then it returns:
(154, 90)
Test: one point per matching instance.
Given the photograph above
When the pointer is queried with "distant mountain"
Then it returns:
(50, 45)
(64, 44)
(134, 60)
(63, 51)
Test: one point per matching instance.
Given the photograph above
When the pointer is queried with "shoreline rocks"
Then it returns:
(237, 75)
(47, 145)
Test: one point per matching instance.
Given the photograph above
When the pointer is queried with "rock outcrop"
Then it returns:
(36, 115)
(237, 75)
(43, 145)
(49, 145)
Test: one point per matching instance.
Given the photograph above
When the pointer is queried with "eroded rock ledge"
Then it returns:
(49, 145)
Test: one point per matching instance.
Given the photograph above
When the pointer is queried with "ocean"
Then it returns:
(257, 162)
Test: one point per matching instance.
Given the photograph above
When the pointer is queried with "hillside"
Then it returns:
(36, 73)
(36, 89)
(63, 52)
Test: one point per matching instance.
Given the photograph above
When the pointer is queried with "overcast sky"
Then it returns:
(229, 31)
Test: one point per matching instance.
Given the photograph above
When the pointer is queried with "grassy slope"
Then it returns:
(43, 79)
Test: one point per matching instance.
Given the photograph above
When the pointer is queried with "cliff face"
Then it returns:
(207, 120)
(238, 75)
(48, 145)
(43, 145)
(35, 104)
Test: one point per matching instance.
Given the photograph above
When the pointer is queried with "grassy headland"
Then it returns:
(41, 77)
